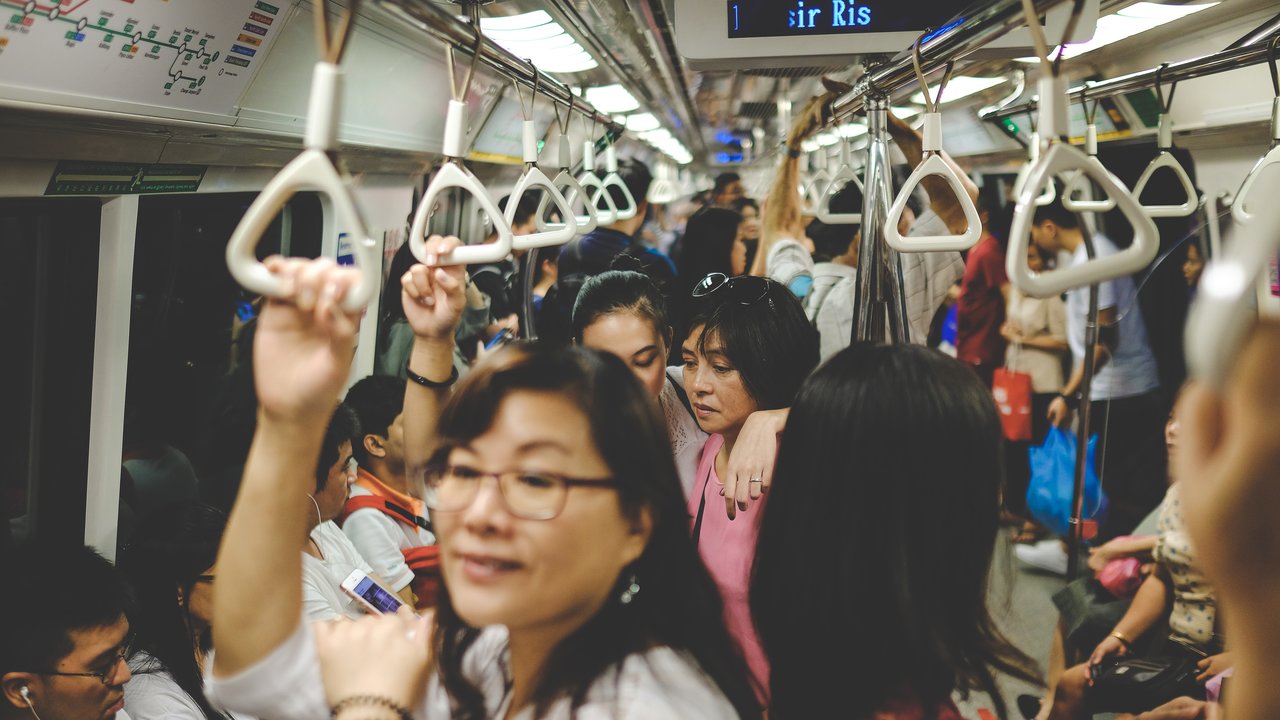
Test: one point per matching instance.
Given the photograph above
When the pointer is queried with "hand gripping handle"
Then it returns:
(933, 164)
(453, 175)
(1165, 159)
(1220, 318)
(533, 177)
(1068, 192)
(612, 179)
(1059, 159)
(311, 170)
(1238, 209)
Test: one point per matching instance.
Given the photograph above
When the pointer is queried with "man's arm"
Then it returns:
(1059, 410)
(941, 198)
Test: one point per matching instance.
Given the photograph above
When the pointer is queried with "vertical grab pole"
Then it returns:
(1076, 537)
(878, 296)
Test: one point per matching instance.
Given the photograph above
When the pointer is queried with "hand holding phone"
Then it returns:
(372, 597)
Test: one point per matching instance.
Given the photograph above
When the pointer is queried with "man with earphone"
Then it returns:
(64, 635)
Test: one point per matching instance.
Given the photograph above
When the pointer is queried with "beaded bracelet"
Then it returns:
(427, 383)
(375, 700)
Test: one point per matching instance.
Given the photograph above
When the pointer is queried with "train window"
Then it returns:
(189, 398)
(50, 251)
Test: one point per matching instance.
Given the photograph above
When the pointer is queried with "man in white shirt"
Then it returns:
(1127, 410)
(65, 635)
(328, 557)
(384, 517)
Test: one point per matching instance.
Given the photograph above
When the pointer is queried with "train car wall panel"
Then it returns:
(184, 60)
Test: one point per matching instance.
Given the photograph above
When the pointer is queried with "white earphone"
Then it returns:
(26, 697)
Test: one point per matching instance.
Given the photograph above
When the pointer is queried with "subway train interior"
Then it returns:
(1074, 198)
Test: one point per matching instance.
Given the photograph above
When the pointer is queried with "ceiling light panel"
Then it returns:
(1133, 20)
(642, 122)
(960, 86)
(536, 37)
(612, 99)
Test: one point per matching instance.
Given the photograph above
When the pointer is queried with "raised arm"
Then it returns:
(433, 297)
(301, 359)
(941, 198)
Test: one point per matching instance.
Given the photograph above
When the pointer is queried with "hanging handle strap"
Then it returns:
(589, 180)
(1069, 200)
(313, 169)
(1239, 211)
(844, 175)
(565, 181)
(533, 177)
(1165, 159)
(1221, 316)
(613, 179)
(1061, 158)
(933, 164)
(454, 175)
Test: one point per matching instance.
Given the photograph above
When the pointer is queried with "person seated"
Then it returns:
(851, 486)
(384, 517)
(1177, 589)
(570, 584)
(171, 563)
(328, 557)
(66, 635)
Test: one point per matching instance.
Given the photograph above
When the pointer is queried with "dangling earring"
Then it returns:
(632, 589)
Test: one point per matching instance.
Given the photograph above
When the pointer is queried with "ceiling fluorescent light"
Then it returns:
(642, 122)
(960, 86)
(905, 112)
(1133, 20)
(851, 130)
(538, 32)
(612, 99)
(572, 64)
(515, 22)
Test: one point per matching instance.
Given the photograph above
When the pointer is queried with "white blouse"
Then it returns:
(687, 438)
(657, 684)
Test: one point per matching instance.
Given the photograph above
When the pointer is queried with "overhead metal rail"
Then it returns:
(967, 32)
(1203, 66)
(440, 23)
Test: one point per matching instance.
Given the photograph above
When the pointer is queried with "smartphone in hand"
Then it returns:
(372, 597)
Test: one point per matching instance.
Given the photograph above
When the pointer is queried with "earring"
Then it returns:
(631, 591)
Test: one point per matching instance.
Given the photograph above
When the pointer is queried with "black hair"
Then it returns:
(862, 466)
(636, 176)
(165, 557)
(620, 291)
(832, 241)
(392, 308)
(708, 245)
(1060, 216)
(770, 342)
(745, 202)
(51, 590)
(526, 208)
(679, 606)
(724, 180)
(376, 401)
(343, 427)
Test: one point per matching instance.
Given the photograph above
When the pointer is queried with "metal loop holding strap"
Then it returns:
(589, 179)
(1165, 159)
(453, 174)
(565, 181)
(1239, 211)
(534, 177)
(612, 179)
(1069, 200)
(312, 169)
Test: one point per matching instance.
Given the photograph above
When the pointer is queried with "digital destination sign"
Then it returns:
(793, 18)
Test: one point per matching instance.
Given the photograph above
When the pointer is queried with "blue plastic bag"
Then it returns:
(1053, 468)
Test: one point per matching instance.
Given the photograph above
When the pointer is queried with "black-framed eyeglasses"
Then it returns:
(110, 673)
(205, 578)
(744, 289)
(528, 495)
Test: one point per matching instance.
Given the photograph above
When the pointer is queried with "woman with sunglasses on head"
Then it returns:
(171, 564)
(840, 560)
(749, 348)
(570, 587)
(624, 313)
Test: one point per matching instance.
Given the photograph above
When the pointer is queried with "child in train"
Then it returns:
(561, 593)
(862, 614)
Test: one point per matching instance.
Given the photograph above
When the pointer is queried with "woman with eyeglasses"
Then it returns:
(624, 313)
(171, 562)
(749, 348)
(570, 587)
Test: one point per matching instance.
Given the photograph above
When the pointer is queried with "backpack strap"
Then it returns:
(391, 509)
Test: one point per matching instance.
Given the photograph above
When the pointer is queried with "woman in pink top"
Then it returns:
(749, 348)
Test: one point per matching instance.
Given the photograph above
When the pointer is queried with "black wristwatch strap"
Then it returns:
(426, 383)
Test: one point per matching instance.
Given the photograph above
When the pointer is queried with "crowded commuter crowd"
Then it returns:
(692, 496)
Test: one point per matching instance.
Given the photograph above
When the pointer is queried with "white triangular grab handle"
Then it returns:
(841, 177)
(1221, 316)
(565, 179)
(1165, 159)
(1059, 159)
(534, 177)
(933, 164)
(311, 170)
(1238, 210)
(612, 179)
(589, 180)
(1095, 206)
(454, 175)
(1050, 192)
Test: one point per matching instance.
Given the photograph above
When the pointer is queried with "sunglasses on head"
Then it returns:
(743, 289)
